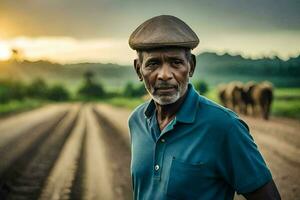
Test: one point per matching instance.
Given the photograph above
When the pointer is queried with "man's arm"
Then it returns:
(266, 192)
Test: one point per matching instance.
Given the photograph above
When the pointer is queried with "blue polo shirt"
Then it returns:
(205, 153)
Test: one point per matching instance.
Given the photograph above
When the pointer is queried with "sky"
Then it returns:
(70, 31)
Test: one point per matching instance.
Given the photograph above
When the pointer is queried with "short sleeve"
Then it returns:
(240, 162)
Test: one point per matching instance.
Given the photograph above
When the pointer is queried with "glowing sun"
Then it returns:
(5, 53)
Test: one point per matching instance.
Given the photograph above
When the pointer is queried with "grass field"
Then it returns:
(130, 103)
(19, 106)
(287, 93)
(286, 101)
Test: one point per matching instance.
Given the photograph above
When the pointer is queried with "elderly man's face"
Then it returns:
(165, 73)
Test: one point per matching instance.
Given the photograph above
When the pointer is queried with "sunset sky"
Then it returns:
(69, 31)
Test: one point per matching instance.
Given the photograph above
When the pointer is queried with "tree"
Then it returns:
(90, 88)
(16, 54)
(58, 93)
(131, 90)
(38, 89)
(201, 86)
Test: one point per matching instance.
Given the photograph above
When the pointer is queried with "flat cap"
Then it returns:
(163, 31)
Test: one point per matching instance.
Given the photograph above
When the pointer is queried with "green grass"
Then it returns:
(280, 107)
(286, 108)
(212, 94)
(286, 101)
(130, 103)
(283, 92)
(18, 106)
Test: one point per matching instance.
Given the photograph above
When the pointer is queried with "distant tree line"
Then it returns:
(90, 89)
(37, 89)
(229, 64)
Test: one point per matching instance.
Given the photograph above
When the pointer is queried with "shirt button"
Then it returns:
(156, 167)
(162, 140)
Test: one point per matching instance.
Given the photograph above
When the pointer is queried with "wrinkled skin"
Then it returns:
(165, 73)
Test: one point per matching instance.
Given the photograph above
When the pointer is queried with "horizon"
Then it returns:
(23, 59)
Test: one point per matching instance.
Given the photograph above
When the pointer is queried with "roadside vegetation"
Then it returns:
(15, 106)
(18, 96)
(286, 102)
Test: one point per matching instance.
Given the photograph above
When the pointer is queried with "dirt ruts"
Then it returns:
(82, 151)
(74, 154)
(25, 177)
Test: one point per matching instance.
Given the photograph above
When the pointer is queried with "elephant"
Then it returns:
(250, 98)
(248, 89)
(222, 94)
(263, 96)
(232, 96)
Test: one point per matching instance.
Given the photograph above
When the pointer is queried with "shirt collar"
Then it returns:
(187, 111)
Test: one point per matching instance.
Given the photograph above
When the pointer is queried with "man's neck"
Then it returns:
(166, 113)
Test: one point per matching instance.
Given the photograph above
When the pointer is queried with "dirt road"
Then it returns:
(82, 151)
(67, 151)
(279, 141)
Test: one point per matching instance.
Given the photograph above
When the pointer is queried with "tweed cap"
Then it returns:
(163, 31)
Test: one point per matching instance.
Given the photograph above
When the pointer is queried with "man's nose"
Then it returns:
(165, 73)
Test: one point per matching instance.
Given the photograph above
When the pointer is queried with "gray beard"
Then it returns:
(166, 100)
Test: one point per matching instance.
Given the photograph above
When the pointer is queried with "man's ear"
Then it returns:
(192, 65)
(137, 68)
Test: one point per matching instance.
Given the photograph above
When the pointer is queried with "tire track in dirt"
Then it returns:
(97, 172)
(14, 126)
(72, 156)
(27, 142)
(62, 177)
(278, 141)
(25, 179)
(118, 156)
(285, 130)
(78, 183)
(118, 117)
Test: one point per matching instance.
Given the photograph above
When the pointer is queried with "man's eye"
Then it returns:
(177, 62)
(152, 64)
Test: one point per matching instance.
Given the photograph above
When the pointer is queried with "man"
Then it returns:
(185, 146)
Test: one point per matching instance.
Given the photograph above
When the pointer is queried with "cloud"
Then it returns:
(70, 50)
(117, 18)
(98, 30)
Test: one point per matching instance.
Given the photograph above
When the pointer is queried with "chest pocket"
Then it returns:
(189, 181)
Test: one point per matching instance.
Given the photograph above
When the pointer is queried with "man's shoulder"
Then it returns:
(214, 110)
(217, 115)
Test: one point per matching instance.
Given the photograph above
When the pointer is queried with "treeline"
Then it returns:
(37, 89)
(230, 64)
(214, 68)
(90, 89)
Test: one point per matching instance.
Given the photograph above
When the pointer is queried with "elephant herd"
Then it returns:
(249, 98)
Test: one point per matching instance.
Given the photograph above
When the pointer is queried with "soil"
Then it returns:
(82, 151)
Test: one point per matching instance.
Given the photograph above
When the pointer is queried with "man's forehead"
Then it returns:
(169, 52)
